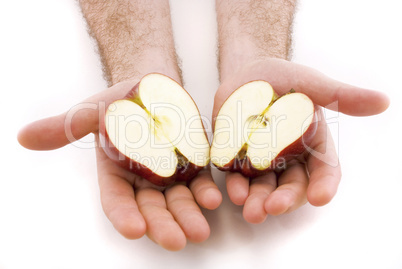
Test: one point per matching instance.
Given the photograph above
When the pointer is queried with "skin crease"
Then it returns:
(254, 44)
(171, 217)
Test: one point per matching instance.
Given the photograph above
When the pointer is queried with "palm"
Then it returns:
(133, 205)
(316, 175)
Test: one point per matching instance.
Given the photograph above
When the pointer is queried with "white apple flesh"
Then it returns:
(256, 131)
(156, 132)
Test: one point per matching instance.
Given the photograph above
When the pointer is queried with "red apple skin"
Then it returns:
(245, 167)
(187, 172)
(183, 172)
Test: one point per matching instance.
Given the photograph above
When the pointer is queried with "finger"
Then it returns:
(237, 187)
(291, 191)
(118, 199)
(162, 227)
(340, 96)
(205, 191)
(55, 132)
(180, 202)
(260, 188)
(323, 167)
(82, 119)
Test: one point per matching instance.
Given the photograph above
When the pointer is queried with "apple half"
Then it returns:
(156, 132)
(256, 131)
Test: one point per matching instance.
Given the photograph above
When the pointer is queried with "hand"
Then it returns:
(134, 206)
(310, 178)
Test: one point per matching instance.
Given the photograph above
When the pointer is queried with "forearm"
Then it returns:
(251, 30)
(134, 37)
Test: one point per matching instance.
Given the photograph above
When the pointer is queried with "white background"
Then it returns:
(50, 213)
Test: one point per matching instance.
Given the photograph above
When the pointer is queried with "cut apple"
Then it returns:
(256, 131)
(156, 132)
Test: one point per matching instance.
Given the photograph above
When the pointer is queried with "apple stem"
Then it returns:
(138, 101)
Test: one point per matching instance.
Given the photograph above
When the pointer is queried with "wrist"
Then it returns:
(244, 53)
(150, 61)
(251, 31)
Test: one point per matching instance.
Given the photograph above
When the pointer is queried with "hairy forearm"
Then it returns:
(251, 30)
(134, 37)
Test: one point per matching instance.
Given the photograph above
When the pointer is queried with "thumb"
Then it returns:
(339, 96)
(82, 119)
(58, 131)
